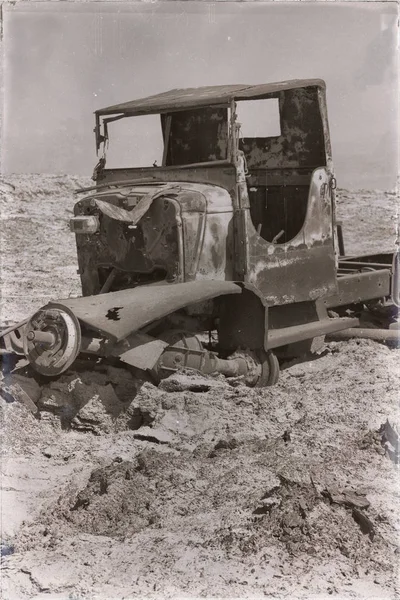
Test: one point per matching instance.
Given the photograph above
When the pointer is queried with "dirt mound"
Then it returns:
(101, 400)
(299, 517)
(230, 500)
(117, 499)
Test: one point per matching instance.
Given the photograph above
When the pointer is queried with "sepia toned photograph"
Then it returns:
(199, 308)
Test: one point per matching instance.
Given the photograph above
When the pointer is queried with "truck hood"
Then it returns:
(129, 202)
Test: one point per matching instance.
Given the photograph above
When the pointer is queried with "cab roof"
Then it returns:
(181, 99)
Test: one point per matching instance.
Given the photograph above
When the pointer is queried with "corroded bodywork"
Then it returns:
(303, 268)
(184, 235)
(261, 209)
(231, 235)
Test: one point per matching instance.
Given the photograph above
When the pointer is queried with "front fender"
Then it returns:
(118, 314)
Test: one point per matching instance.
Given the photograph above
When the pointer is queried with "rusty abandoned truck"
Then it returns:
(232, 235)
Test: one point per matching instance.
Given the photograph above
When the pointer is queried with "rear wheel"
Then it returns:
(269, 368)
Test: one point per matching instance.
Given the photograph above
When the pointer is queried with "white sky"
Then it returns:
(65, 60)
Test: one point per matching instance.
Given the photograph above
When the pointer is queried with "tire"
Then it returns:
(269, 369)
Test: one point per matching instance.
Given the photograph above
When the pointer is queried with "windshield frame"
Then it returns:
(102, 136)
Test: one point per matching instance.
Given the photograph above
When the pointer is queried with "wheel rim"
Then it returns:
(269, 368)
(53, 358)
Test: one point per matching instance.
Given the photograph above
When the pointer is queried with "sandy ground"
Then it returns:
(202, 487)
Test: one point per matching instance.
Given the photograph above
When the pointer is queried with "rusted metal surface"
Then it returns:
(196, 136)
(185, 350)
(118, 213)
(302, 268)
(296, 333)
(13, 341)
(143, 353)
(117, 314)
(184, 233)
(340, 239)
(214, 173)
(11, 338)
(301, 143)
(385, 259)
(134, 215)
(204, 96)
(280, 213)
(360, 287)
(139, 254)
(395, 286)
(12, 328)
(197, 128)
(243, 321)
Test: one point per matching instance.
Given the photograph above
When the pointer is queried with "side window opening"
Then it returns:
(197, 135)
(259, 118)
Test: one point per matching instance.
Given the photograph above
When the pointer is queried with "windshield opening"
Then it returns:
(171, 139)
(135, 142)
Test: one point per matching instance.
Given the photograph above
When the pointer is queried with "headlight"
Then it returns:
(84, 224)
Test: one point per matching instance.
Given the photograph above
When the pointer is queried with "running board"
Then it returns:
(297, 333)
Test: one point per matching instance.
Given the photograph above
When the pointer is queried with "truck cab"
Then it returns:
(253, 209)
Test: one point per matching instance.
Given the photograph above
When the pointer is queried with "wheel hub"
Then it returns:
(52, 340)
